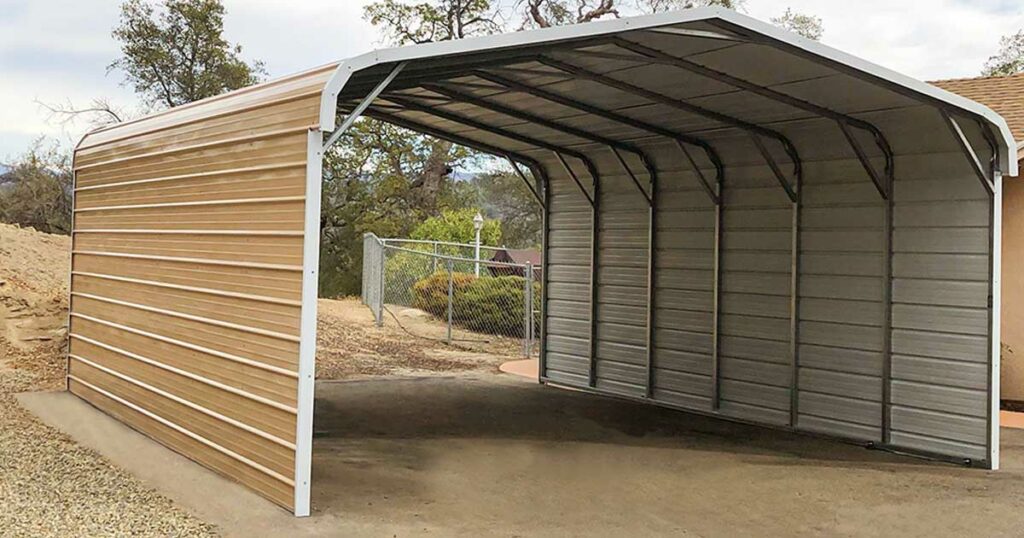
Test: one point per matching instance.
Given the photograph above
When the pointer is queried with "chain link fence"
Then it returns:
(441, 291)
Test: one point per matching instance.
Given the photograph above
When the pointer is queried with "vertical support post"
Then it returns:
(380, 288)
(794, 306)
(716, 301)
(544, 265)
(434, 258)
(595, 224)
(451, 301)
(994, 311)
(652, 231)
(307, 324)
(527, 308)
(887, 313)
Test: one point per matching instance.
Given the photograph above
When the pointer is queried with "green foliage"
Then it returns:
(1010, 59)
(37, 190)
(546, 13)
(491, 305)
(503, 197)
(431, 294)
(456, 226)
(432, 20)
(495, 305)
(807, 26)
(178, 54)
(384, 180)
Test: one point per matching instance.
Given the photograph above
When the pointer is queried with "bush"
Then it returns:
(431, 294)
(492, 305)
(36, 191)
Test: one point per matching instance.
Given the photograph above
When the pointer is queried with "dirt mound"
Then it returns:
(33, 285)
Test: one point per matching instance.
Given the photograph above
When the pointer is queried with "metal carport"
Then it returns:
(738, 222)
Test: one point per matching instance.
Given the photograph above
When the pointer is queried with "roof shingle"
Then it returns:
(1004, 95)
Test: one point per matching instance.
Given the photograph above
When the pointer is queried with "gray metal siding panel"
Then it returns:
(940, 318)
(939, 322)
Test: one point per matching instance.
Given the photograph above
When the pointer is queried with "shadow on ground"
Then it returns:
(506, 408)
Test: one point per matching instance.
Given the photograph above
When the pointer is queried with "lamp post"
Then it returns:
(478, 224)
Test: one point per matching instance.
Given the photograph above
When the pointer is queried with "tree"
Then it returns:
(380, 179)
(547, 13)
(502, 196)
(436, 20)
(36, 191)
(456, 226)
(1010, 59)
(179, 54)
(807, 26)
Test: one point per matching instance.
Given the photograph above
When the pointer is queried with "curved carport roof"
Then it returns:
(685, 262)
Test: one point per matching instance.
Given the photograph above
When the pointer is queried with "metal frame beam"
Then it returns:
(486, 104)
(794, 305)
(426, 129)
(703, 34)
(595, 209)
(522, 176)
(547, 95)
(411, 104)
(972, 157)
(363, 105)
(845, 121)
(754, 130)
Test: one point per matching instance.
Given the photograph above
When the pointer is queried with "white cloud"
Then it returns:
(59, 49)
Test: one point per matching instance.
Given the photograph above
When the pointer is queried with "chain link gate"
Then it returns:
(466, 301)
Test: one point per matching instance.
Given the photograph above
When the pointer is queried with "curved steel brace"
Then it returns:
(526, 181)
(679, 138)
(845, 121)
(411, 104)
(438, 133)
(753, 129)
(987, 180)
(548, 123)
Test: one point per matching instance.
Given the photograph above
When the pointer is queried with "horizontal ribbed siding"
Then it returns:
(187, 277)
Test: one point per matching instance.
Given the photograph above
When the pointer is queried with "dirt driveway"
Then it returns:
(486, 455)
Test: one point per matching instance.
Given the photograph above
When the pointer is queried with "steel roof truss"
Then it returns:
(964, 144)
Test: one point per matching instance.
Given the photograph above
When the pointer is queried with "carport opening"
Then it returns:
(736, 223)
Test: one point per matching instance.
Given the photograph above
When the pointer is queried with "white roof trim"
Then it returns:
(328, 104)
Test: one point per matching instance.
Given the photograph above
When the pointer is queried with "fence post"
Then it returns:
(451, 292)
(380, 289)
(434, 259)
(528, 310)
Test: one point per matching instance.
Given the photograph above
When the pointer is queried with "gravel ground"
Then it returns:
(49, 485)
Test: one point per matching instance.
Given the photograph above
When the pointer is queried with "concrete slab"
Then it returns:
(528, 368)
(497, 456)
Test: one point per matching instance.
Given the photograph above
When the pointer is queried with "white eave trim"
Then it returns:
(329, 98)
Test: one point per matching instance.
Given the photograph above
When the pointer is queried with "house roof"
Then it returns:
(1004, 95)
(522, 255)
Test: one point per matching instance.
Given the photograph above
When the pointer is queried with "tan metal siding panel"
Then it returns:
(187, 277)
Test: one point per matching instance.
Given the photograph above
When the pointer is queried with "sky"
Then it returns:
(57, 51)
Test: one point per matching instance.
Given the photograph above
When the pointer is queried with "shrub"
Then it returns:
(431, 294)
(492, 305)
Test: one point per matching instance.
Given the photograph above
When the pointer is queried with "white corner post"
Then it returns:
(307, 331)
(996, 298)
(315, 148)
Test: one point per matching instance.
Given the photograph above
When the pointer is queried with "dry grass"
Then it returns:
(350, 345)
